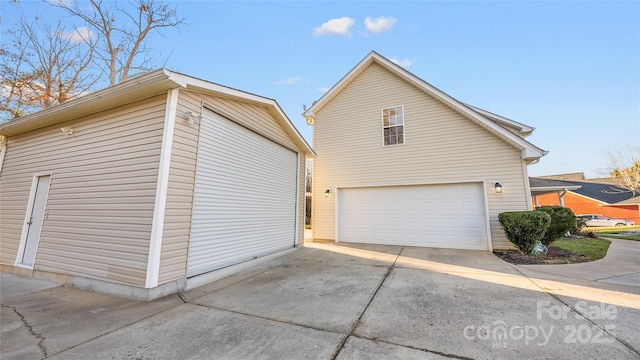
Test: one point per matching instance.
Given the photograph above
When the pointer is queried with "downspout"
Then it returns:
(561, 195)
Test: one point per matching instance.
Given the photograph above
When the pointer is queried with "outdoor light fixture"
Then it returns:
(498, 188)
(191, 117)
(66, 130)
(326, 193)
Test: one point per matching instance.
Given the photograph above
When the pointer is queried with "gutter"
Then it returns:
(129, 91)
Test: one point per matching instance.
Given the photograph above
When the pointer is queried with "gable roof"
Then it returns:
(529, 152)
(568, 176)
(607, 194)
(540, 186)
(141, 87)
(522, 129)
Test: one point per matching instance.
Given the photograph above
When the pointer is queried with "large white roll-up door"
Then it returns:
(245, 196)
(445, 216)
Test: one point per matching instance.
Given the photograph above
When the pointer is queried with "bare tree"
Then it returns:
(625, 167)
(123, 32)
(44, 66)
(15, 81)
(308, 187)
(61, 59)
(308, 179)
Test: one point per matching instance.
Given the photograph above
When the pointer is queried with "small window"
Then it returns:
(393, 125)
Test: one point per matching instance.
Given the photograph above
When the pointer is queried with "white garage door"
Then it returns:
(245, 197)
(445, 216)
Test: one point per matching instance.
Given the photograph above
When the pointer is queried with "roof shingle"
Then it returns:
(606, 193)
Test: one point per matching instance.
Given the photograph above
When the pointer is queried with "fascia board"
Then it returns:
(132, 90)
(590, 198)
(542, 190)
(335, 89)
(530, 151)
(199, 85)
(523, 129)
(195, 84)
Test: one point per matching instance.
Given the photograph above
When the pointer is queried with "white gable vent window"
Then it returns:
(393, 125)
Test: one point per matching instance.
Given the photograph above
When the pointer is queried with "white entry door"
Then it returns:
(35, 217)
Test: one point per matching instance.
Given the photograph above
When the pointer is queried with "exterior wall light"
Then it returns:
(327, 192)
(498, 188)
(66, 130)
(191, 117)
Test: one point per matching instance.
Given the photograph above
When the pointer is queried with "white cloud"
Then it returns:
(79, 35)
(293, 81)
(404, 63)
(379, 25)
(341, 26)
(322, 89)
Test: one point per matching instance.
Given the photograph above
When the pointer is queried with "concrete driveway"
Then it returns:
(347, 302)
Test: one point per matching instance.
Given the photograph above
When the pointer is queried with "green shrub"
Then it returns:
(524, 228)
(562, 220)
(578, 226)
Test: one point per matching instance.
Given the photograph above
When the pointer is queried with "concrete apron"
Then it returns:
(347, 302)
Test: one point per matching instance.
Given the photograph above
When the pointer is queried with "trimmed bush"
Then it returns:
(524, 228)
(562, 220)
(579, 225)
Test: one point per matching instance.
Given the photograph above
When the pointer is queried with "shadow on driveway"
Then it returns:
(341, 302)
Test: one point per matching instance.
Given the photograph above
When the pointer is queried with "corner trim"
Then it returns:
(157, 227)
(296, 238)
(3, 150)
(527, 185)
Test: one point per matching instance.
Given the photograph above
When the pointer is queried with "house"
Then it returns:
(400, 162)
(594, 196)
(547, 186)
(150, 186)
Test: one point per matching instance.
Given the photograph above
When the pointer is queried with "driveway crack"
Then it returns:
(30, 329)
(357, 322)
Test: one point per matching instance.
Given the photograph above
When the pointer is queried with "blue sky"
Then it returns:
(569, 69)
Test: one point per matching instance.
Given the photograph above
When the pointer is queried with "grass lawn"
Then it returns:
(593, 249)
(615, 235)
(616, 232)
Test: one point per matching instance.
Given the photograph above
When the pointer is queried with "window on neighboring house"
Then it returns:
(393, 125)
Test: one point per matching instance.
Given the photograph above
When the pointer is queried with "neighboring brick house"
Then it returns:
(596, 196)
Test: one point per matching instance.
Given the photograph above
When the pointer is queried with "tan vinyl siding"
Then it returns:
(101, 198)
(177, 219)
(441, 146)
(254, 117)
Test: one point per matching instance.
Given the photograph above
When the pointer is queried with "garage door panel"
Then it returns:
(449, 216)
(245, 197)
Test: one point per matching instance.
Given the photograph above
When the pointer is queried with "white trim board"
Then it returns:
(157, 227)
